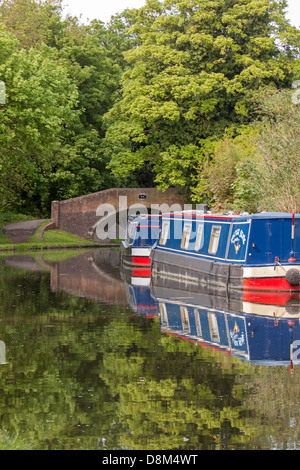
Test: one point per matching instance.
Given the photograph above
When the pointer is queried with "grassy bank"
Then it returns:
(52, 239)
(10, 218)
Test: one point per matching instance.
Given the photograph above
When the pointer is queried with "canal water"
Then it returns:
(92, 357)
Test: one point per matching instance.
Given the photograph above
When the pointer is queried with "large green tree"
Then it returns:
(40, 102)
(199, 69)
(65, 161)
(34, 22)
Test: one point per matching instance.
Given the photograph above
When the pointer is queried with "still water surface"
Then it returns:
(95, 359)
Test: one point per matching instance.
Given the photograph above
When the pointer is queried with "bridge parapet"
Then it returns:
(80, 215)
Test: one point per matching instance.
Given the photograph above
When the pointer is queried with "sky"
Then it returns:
(103, 9)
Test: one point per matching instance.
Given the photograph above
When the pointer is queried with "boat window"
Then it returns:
(198, 322)
(186, 236)
(131, 232)
(164, 233)
(199, 238)
(214, 239)
(185, 319)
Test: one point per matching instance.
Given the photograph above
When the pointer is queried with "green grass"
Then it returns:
(12, 442)
(56, 237)
(10, 218)
(3, 238)
(51, 239)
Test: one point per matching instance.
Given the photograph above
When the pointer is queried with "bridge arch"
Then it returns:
(82, 215)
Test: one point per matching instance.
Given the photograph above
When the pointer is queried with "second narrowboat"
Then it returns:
(142, 234)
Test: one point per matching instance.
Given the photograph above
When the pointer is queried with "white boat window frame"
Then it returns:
(214, 240)
(131, 232)
(199, 238)
(186, 234)
(164, 232)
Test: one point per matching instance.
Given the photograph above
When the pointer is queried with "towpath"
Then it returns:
(20, 232)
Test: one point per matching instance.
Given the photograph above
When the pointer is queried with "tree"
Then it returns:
(34, 22)
(93, 55)
(226, 175)
(199, 69)
(277, 173)
(258, 168)
(39, 110)
(65, 160)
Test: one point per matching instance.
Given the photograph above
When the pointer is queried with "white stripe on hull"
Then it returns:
(274, 311)
(257, 272)
(140, 252)
(140, 281)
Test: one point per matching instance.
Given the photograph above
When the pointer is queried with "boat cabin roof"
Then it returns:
(231, 215)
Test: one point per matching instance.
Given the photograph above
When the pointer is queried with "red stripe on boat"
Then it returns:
(268, 298)
(141, 272)
(270, 284)
(141, 260)
(200, 216)
(200, 343)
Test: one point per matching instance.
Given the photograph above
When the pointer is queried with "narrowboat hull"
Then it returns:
(230, 252)
(269, 278)
(268, 303)
(196, 271)
(142, 234)
(223, 275)
(135, 256)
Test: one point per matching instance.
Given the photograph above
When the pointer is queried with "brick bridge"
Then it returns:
(82, 215)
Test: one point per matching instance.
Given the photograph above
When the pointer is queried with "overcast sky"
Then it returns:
(103, 9)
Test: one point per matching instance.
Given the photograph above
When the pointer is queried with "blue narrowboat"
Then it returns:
(142, 234)
(232, 251)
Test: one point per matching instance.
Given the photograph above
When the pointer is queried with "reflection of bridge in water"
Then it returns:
(93, 274)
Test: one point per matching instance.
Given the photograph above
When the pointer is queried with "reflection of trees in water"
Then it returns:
(276, 397)
(78, 371)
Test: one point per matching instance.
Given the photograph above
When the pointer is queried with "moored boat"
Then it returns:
(142, 234)
(232, 251)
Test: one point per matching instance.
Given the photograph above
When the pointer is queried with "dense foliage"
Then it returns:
(165, 95)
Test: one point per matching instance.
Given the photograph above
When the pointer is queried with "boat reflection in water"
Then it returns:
(262, 328)
(137, 283)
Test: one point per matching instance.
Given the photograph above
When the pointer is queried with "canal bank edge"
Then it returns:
(29, 236)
